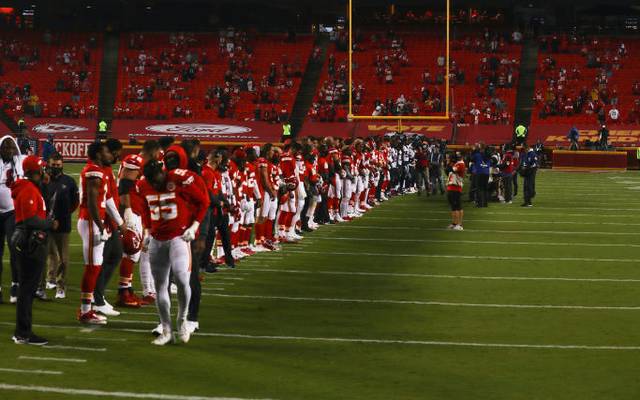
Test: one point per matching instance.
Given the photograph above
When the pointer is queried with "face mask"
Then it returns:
(55, 171)
(171, 163)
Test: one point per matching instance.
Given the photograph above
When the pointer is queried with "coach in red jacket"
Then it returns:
(29, 241)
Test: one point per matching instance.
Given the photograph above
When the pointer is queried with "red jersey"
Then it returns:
(168, 213)
(288, 165)
(90, 171)
(251, 183)
(456, 177)
(27, 200)
(133, 162)
(271, 168)
(112, 192)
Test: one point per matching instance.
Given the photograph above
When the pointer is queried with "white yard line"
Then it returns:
(56, 359)
(436, 276)
(423, 342)
(459, 256)
(204, 288)
(499, 221)
(363, 340)
(134, 321)
(31, 371)
(59, 347)
(432, 303)
(96, 338)
(551, 232)
(104, 393)
(500, 242)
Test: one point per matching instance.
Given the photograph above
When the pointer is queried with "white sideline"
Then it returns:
(417, 228)
(31, 371)
(436, 276)
(579, 244)
(454, 256)
(103, 393)
(432, 303)
(71, 360)
(356, 340)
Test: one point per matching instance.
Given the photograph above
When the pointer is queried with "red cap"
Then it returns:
(32, 163)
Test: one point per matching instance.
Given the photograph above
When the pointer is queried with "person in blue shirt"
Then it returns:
(573, 137)
(481, 169)
(528, 168)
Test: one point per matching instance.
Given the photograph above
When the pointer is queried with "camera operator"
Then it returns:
(481, 169)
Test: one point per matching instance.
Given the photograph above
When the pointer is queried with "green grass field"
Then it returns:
(538, 303)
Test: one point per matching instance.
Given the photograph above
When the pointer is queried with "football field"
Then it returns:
(526, 303)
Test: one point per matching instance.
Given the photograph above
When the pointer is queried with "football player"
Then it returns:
(174, 206)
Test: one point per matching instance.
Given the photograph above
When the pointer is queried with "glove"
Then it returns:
(244, 205)
(146, 238)
(129, 218)
(104, 235)
(190, 233)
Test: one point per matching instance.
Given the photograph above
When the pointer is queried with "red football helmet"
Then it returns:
(131, 241)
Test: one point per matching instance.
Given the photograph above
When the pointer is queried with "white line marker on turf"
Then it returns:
(423, 342)
(102, 393)
(436, 276)
(532, 232)
(458, 256)
(96, 338)
(133, 321)
(499, 221)
(71, 360)
(59, 347)
(500, 242)
(31, 371)
(356, 340)
(432, 303)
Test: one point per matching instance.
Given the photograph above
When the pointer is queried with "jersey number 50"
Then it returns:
(163, 206)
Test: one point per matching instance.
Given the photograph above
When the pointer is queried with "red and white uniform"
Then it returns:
(92, 246)
(170, 212)
(269, 205)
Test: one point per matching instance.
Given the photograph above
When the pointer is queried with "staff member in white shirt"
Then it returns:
(10, 171)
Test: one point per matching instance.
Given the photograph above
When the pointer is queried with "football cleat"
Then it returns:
(458, 228)
(91, 318)
(164, 338)
(13, 294)
(128, 300)
(106, 309)
(51, 285)
(184, 334)
(247, 250)
(148, 299)
(157, 331)
(173, 289)
(192, 326)
(60, 294)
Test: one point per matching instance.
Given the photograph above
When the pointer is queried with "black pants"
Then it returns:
(7, 226)
(473, 188)
(222, 225)
(507, 182)
(30, 267)
(200, 260)
(530, 186)
(111, 258)
(515, 184)
(482, 190)
(436, 179)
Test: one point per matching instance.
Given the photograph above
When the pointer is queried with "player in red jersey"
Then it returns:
(269, 195)
(132, 208)
(250, 196)
(174, 206)
(289, 201)
(91, 227)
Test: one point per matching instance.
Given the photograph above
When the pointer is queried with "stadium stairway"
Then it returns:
(527, 82)
(308, 87)
(9, 122)
(108, 77)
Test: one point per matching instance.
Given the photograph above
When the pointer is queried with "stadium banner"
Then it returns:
(556, 135)
(438, 130)
(71, 149)
(61, 128)
(489, 134)
(206, 131)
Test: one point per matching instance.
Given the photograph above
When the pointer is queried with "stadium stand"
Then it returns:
(587, 80)
(50, 75)
(228, 75)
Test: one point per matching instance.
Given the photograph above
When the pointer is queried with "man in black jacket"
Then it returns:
(62, 198)
(29, 242)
